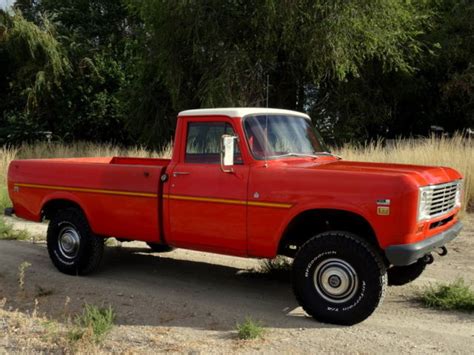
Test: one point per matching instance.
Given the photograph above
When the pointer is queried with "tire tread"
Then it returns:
(93, 248)
(319, 242)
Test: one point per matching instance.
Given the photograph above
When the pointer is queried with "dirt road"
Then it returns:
(186, 301)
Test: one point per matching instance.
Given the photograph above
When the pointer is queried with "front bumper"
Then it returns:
(406, 254)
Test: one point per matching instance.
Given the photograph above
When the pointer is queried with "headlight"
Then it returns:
(459, 193)
(424, 202)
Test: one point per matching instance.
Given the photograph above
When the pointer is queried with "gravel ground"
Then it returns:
(187, 301)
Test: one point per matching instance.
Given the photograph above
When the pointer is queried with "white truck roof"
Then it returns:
(240, 112)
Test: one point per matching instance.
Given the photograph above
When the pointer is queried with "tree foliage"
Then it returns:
(120, 70)
(34, 65)
(389, 103)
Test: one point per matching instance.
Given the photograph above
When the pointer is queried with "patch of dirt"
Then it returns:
(186, 301)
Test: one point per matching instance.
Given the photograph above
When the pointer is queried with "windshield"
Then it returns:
(275, 136)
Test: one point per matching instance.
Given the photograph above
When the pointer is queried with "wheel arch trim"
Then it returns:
(67, 198)
(339, 208)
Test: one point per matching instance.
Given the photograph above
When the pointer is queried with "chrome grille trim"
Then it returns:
(441, 198)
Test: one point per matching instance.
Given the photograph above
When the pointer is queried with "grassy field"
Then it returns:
(455, 152)
(57, 150)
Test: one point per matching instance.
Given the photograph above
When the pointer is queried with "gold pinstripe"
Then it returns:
(166, 196)
(80, 189)
(228, 201)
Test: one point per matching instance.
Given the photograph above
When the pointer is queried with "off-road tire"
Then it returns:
(86, 256)
(160, 248)
(401, 275)
(322, 254)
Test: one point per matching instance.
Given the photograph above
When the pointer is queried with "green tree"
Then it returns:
(120, 70)
(220, 53)
(390, 103)
(85, 102)
(33, 67)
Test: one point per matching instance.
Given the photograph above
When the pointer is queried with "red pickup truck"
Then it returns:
(252, 182)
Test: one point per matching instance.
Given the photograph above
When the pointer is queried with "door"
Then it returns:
(207, 207)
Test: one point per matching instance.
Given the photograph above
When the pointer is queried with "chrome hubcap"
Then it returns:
(335, 280)
(69, 242)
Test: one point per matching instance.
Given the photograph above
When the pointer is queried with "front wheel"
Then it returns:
(73, 248)
(339, 278)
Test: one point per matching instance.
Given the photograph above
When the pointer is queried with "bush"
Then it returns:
(454, 296)
(94, 322)
(8, 233)
(250, 329)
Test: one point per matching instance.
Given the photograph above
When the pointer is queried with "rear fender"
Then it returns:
(67, 196)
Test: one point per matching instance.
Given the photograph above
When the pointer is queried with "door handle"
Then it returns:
(177, 173)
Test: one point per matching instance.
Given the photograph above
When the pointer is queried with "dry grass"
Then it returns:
(456, 152)
(6, 156)
(84, 149)
(30, 333)
(33, 332)
(58, 150)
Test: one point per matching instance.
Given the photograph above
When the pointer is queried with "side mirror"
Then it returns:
(227, 152)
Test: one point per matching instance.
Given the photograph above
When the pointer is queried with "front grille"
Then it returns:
(441, 198)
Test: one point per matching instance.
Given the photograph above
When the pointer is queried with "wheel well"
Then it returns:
(313, 222)
(53, 206)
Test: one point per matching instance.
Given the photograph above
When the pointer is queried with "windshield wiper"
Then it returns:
(328, 154)
(293, 155)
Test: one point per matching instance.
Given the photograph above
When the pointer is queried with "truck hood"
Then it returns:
(424, 175)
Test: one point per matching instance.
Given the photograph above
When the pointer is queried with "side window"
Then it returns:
(204, 140)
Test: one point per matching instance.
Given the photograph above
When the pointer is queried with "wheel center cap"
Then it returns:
(334, 281)
(69, 243)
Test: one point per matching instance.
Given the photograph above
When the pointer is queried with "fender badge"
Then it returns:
(383, 202)
(383, 211)
(16, 188)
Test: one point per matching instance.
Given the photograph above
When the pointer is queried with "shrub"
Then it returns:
(8, 233)
(454, 296)
(250, 329)
(94, 323)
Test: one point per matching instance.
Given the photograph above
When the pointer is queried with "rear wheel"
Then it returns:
(401, 275)
(72, 246)
(338, 278)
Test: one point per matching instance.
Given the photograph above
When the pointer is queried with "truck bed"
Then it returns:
(120, 196)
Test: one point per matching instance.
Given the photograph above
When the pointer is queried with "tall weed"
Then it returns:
(456, 152)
